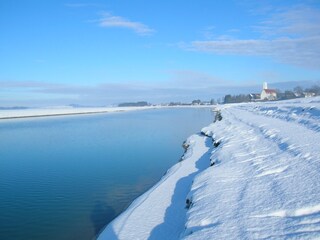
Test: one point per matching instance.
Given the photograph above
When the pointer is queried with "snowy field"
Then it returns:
(67, 110)
(264, 182)
(56, 111)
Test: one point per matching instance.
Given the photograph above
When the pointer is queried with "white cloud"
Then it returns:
(35, 93)
(109, 20)
(298, 21)
(301, 52)
(288, 36)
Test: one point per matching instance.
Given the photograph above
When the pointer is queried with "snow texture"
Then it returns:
(264, 183)
(58, 111)
(160, 213)
(68, 110)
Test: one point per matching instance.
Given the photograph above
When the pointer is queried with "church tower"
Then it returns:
(265, 85)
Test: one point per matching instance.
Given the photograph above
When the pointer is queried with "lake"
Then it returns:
(67, 177)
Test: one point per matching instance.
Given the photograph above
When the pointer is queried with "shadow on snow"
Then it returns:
(175, 215)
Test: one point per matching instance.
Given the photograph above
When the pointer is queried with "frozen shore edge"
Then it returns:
(52, 112)
(263, 183)
(162, 210)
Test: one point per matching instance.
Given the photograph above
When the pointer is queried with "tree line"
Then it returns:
(297, 92)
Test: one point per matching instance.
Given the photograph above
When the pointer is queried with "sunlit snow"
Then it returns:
(263, 182)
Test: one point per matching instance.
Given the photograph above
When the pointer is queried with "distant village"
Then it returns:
(266, 94)
(273, 94)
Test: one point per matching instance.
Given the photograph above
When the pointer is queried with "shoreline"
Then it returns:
(233, 174)
(56, 112)
(53, 112)
(138, 222)
(94, 150)
(51, 115)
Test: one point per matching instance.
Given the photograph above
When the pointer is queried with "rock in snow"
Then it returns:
(264, 183)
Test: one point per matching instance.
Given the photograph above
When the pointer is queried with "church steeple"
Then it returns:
(265, 85)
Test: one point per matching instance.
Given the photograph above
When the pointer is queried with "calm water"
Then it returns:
(67, 177)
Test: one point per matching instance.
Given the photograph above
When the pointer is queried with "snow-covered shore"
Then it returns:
(58, 111)
(61, 111)
(264, 182)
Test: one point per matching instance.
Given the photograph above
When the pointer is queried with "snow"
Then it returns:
(160, 212)
(68, 110)
(56, 111)
(264, 183)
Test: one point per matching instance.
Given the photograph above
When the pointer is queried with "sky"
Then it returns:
(98, 53)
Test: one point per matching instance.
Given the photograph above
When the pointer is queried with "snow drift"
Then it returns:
(260, 182)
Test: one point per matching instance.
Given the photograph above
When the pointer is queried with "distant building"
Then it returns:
(308, 94)
(298, 95)
(268, 94)
(255, 96)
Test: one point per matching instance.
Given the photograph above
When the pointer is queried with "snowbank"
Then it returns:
(45, 112)
(263, 182)
(160, 213)
(67, 110)
(266, 184)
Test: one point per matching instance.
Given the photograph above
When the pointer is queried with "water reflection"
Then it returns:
(75, 174)
(101, 214)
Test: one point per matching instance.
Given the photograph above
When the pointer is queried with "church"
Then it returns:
(268, 94)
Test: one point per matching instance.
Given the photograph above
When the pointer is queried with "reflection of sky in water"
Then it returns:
(66, 177)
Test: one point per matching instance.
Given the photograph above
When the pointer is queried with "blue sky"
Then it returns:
(106, 52)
